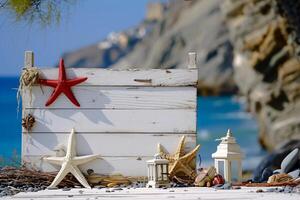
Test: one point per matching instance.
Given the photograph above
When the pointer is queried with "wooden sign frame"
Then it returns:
(123, 115)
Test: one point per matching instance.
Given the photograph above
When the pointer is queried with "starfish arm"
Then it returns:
(180, 149)
(61, 71)
(53, 96)
(71, 97)
(51, 83)
(79, 176)
(64, 170)
(160, 150)
(54, 160)
(76, 81)
(79, 160)
(71, 150)
(191, 155)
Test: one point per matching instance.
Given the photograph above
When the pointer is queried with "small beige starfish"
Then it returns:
(181, 165)
(69, 163)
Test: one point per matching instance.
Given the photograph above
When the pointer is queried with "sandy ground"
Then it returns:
(159, 194)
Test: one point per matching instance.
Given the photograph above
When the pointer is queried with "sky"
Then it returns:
(84, 23)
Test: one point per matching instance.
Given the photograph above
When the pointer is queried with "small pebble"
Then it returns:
(99, 187)
(52, 188)
(66, 189)
(117, 189)
(107, 190)
(80, 191)
(259, 191)
(288, 189)
(70, 195)
(227, 186)
(236, 187)
(271, 189)
(171, 191)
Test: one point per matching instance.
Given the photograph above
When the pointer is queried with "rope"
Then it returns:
(29, 77)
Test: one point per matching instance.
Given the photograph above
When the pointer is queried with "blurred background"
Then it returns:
(248, 60)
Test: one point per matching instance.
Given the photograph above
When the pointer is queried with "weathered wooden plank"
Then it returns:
(127, 166)
(152, 77)
(116, 98)
(29, 59)
(90, 120)
(105, 144)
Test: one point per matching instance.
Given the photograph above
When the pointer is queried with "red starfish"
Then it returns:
(62, 85)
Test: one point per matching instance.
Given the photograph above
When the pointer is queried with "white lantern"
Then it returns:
(228, 159)
(158, 172)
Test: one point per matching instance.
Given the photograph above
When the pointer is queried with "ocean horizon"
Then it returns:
(214, 116)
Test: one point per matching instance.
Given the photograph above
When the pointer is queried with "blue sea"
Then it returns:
(215, 116)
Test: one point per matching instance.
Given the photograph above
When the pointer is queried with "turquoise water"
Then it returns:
(215, 116)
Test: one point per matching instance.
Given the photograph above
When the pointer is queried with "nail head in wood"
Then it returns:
(192, 58)
(29, 59)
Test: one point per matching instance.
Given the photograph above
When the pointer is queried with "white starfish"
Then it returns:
(70, 163)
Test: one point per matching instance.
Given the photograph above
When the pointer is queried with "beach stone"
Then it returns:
(289, 161)
(66, 189)
(266, 174)
(275, 158)
(30, 189)
(277, 171)
(295, 173)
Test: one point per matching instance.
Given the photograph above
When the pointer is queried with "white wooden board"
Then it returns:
(152, 77)
(90, 120)
(123, 115)
(116, 98)
(120, 144)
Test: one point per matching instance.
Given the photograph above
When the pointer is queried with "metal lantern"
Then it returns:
(158, 172)
(228, 159)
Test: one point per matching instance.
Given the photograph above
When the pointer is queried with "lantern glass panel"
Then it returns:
(221, 167)
(234, 170)
(151, 172)
(159, 171)
(165, 172)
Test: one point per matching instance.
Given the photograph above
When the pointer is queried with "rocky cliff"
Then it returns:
(165, 42)
(266, 66)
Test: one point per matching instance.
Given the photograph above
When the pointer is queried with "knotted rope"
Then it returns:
(29, 77)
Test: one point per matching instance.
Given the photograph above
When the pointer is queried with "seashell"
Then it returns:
(205, 176)
(28, 122)
(218, 179)
(279, 178)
